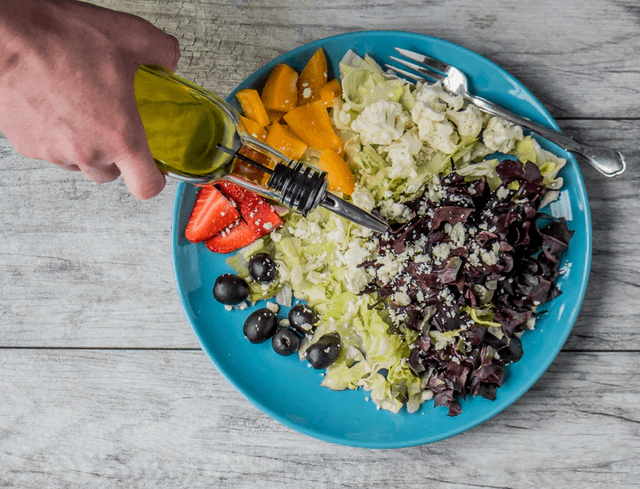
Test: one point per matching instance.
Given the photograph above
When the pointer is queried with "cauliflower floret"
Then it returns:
(433, 126)
(356, 277)
(439, 135)
(307, 229)
(401, 298)
(354, 255)
(501, 135)
(401, 153)
(424, 111)
(457, 233)
(381, 122)
(435, 96)
(468, 121)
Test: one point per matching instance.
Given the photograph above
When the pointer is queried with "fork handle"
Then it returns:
(608, 162)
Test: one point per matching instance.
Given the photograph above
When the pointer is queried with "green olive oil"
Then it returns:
(184, 123)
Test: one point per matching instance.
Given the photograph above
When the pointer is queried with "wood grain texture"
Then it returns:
(166, 419)
(578, 57)
(102, 383)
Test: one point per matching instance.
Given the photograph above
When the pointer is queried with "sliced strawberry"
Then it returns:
(232, 238)
(236, 192)
(259, 214)
(212, 212)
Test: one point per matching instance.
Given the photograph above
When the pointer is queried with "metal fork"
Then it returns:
(608, 162)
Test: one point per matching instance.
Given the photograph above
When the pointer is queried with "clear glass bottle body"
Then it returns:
(184, 124)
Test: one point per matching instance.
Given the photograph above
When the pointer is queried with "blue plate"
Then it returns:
(287, 389)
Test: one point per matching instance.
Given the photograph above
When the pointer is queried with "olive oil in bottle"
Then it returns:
(184, 124)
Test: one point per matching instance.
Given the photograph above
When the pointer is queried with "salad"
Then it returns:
(435, 308)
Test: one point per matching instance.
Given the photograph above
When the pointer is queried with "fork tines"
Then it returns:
(424, 60)
(431, 68)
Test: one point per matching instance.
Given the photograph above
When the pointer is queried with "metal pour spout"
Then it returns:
(353, 213)
(303, 188)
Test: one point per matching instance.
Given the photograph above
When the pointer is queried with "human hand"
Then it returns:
(66, 88)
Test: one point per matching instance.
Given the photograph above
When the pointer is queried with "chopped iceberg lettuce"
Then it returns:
(364, 83)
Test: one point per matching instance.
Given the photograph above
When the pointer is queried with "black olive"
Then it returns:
(262, 268)
(285, 342)
(230, 289)
(302, 318)
(260, 325)
(324, 352)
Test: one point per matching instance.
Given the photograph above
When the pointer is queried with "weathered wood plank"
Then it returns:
(77, 257)
(167, 419)
(579, 57)
(611, 300)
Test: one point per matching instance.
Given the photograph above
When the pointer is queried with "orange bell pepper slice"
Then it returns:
(312, 124)
(252, 106)
(312, 78)
(339, 174)
(278, 137)
(280, 92)
(330, 92)
(253, 128)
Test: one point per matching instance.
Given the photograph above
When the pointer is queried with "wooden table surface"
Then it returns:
(103, 384)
